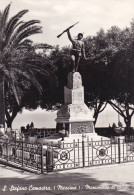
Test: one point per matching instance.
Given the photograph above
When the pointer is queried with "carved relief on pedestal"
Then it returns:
(82, 127)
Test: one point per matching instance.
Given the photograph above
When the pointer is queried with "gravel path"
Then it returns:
(104, 180)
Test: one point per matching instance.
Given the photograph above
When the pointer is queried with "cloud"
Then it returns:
(35, 3)
(56, 15)
(41, 14)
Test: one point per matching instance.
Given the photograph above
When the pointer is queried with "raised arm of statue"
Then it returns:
(69, 35)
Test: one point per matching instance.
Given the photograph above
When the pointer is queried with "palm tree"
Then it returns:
(13, 33)
(34, 68)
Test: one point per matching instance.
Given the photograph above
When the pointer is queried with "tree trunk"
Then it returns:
(9, 123)
(127, 121)
(95, 117)
(126, 116)
(98, 110)
(10, 118)
(2, 101)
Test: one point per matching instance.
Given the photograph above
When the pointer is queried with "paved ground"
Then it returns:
(103, 180)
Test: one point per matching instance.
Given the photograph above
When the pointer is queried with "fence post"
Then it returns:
(42, 168)
(119, 151)
(49, 159)
(22, 152)
(7, 149)
(15, 137)
(83, 151)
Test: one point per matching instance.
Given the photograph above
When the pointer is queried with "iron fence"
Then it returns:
(22, 154)
(88, 153)
(53, 157)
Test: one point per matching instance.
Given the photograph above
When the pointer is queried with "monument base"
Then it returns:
(76, 127)
(56, 141)
(74, 117)
(80, 137)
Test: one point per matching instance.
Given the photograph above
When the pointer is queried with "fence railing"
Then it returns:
(52, 157)
(23, 154)
(40, 133)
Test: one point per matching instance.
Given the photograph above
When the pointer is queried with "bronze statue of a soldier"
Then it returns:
(78, 49)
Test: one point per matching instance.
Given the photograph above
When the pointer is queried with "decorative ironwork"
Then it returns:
(32, 155)
(102, 152)
(21, 153)
(67, 158)
(132, 149)
(129, 151)
(64, 156)
(71, 155)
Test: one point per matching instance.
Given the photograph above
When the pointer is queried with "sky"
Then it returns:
(41, 118)
(56, 16)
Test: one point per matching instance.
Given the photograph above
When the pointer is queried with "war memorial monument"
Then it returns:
(74, 117)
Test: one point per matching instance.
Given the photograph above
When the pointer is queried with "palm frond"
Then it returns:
(26, 44)
(16, 39)
(38, 69)
(18, 60)
(25, 74)
(42, 46)
(12, 23)
(35, 82)
(29, 75)
(4, 16)
(21, 22)
(15, 93)
(26, 24)
(11, 79)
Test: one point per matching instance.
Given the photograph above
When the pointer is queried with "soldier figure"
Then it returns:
(77, 50)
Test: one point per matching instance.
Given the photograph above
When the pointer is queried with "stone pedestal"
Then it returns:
(74, 116)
